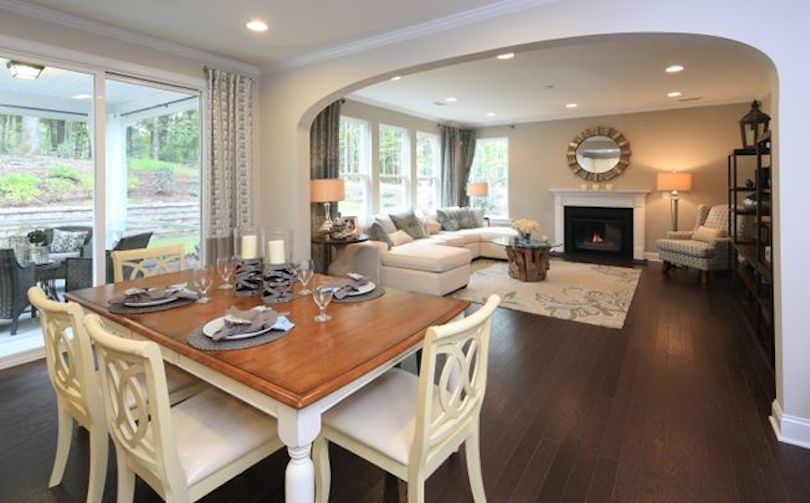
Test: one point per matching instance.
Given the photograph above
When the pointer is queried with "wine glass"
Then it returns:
(225, 270)
(322, 295)
(202, 281)
(305, 270)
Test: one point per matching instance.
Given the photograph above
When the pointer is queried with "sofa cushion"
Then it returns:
(376, 232)
(446, 239)
(422, 256)
(410, 223)
(399, 238)
(490, 233)
(708, 234)
(386, 223)
(689, 247)
(467, 235)
(467, 219)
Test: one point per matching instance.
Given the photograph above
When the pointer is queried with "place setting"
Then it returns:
(241, 329)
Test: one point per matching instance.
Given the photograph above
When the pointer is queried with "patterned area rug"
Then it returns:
(587, 293)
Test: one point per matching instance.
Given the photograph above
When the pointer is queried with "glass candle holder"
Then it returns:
(279, 250)
(248, 248)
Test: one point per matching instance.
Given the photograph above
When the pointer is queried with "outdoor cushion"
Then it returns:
(427, 257)
(66, 241)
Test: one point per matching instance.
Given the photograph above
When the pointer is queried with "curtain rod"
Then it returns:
(162, 105)
(47, 110)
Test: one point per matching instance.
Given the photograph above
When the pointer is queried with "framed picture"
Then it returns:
(351, 225)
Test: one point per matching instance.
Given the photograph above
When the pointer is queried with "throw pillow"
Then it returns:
(478, 216)
(448, 218)
(466, 219)
(400, 238)
(386, 223)
(376, 233)
(65, 241)
(708, 234)
(433, 227)
(409, 223)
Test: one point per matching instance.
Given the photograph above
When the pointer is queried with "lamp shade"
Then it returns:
(326, 190)
(478, 189)
(674, 181)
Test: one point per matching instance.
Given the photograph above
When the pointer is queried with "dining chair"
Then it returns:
(182, 452)
(71, 364)
(144, 262)
(409, 425)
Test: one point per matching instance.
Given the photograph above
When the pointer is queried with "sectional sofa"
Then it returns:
(437, 264)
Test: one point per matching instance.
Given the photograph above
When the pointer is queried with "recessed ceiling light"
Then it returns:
(674, 68)
(24, 71)
(571, 105)
(83, 97)
(451, 99)
(256, 25)
(674, 94)
(506, 55)
(396, 78)
(491, 114)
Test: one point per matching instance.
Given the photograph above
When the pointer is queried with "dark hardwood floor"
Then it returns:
(674, 407)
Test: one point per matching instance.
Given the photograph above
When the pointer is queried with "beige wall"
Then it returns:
(694, 139)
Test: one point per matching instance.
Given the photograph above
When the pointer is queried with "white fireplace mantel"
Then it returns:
(635, 199)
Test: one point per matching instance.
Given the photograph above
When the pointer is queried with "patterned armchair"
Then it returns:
(15, 280)
(679, 249)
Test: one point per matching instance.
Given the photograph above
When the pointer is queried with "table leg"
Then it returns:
(298, 429)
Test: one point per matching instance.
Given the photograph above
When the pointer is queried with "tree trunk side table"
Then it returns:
(528, 259)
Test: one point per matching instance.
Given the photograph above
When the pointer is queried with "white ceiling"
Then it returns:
(602, 77)
(297, 27)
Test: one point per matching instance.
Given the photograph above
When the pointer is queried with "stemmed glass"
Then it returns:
(305, 270)
(225, 270)
(322, 294)
(202, 281)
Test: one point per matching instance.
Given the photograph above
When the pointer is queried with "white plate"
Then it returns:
(365, 289)
(150, 303)
(213, 326)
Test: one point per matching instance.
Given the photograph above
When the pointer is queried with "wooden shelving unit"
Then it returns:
(750, 257)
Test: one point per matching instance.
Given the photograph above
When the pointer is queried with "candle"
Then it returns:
(249, 248)
(275, 251)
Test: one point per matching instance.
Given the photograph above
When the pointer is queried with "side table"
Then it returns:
(340, 264)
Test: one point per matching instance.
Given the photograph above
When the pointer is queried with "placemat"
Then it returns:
(122, 309)
(197, 339)
(375, 294)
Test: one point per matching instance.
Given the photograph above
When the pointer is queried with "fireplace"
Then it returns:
(597, 231)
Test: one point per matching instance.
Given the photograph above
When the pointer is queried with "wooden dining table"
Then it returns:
(297, 377)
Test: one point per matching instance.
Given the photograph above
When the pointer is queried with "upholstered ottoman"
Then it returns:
(426, 267)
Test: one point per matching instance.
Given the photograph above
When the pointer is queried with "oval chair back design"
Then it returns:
(136, 398)
(71, 370)
(453, 403)
(145, 262)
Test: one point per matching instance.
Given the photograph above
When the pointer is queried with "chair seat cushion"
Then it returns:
(689, 247)
(212, 430)
(381, 416)
(428, 257)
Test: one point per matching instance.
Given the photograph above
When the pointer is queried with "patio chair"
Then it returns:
(80, 249)
(15, 280)
(127, 243)
(78, 273)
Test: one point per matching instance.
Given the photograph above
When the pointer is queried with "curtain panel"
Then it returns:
(457, 153)
(324, 160)
(229, 200)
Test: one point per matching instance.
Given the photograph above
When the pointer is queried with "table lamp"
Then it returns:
(674, 182)
(477, 190)
(326, 191)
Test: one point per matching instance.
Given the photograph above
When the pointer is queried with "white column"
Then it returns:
(116, 179)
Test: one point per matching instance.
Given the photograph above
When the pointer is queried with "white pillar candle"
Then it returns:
(249, 248)
(275, 251)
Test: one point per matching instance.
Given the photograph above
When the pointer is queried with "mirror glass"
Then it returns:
(598, 154)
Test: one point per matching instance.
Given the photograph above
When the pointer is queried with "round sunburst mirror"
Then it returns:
(598, 154)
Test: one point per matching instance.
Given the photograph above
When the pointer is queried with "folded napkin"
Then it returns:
(239, 322)
(140, 295)
(356, 281)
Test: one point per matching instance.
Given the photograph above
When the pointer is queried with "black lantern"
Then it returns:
(753, 125)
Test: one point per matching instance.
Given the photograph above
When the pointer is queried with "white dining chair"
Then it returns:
(71, 364)
(145, 262)
(183, 452)
(409, 425)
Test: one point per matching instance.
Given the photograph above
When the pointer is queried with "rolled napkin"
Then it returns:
(356, 281)
(238, 322)
(141, 295)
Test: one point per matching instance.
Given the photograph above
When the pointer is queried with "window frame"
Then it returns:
(437, 169)
(473, 178)
(405, 169)
(365, 162)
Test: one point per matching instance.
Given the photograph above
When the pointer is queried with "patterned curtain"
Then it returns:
(457, 153)
(324, 157)
(230, 126)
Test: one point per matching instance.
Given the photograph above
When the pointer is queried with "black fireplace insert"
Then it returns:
(597, 231)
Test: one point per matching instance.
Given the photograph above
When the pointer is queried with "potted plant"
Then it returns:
(525, 227)
(39, 250)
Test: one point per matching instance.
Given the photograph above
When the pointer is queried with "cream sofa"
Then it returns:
(437, 265)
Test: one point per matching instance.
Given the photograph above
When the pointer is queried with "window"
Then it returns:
(428, 170)
(491, 165)
(394, 168)
(354, 166)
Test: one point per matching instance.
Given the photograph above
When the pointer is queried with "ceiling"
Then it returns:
(297, 27)
(607, 76)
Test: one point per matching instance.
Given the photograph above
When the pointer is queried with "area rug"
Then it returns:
(587, 293)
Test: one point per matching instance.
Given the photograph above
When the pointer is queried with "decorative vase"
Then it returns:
(39, 254)
(278, 283)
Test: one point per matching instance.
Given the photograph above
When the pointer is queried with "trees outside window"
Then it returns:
(491, 165)
(354, 167)
(428, 170)
(394, 168)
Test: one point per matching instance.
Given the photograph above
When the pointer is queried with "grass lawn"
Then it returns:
(190, 242)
